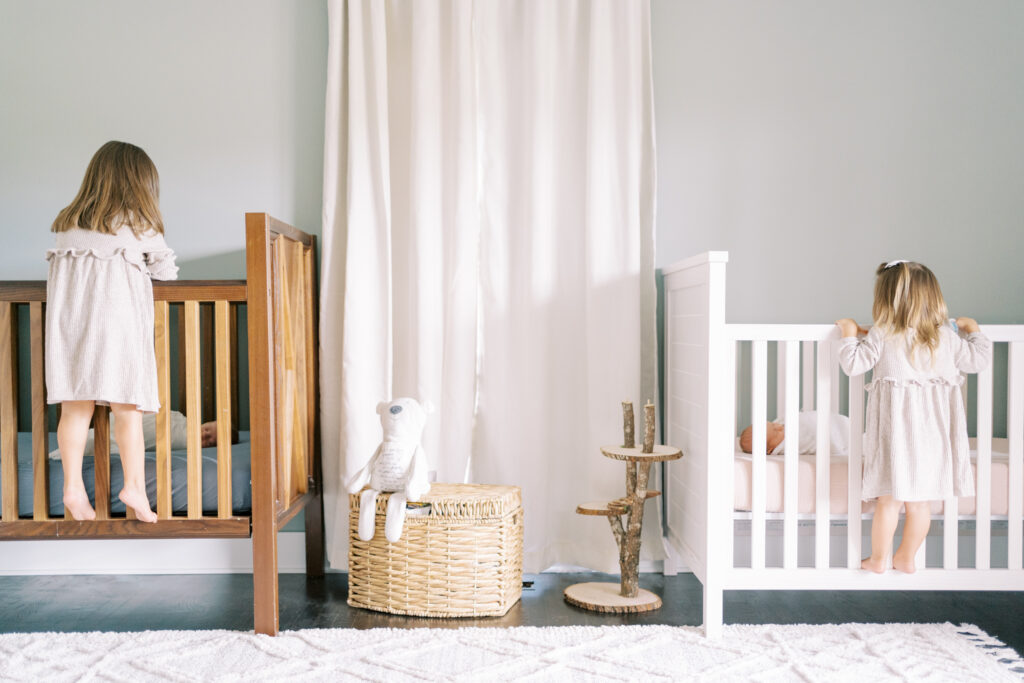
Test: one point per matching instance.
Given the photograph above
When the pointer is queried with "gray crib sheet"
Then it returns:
(241, 488)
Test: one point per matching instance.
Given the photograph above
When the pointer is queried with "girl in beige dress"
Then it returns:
(99, 316)
(915, 442)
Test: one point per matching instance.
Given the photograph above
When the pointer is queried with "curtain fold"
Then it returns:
(488, 246)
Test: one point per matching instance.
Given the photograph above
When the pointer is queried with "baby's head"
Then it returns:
(908, 297)
(775, 434)
(208, 431)
(121, 184)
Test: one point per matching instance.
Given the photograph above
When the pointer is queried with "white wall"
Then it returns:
(814, 140)
(226, 96)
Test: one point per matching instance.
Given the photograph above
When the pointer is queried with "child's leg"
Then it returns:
(128, 432)
(883, 526)
(915, 528)
(72, 432)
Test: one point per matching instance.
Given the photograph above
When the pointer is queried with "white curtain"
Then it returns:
(488, 245)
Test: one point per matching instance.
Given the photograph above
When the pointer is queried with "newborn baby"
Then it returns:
(839, 435)
(179, 434)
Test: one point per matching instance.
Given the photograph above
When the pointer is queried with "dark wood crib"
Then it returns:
(280, 302)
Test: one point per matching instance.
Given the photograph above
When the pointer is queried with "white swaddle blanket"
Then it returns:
(839, 434)
(179, 434)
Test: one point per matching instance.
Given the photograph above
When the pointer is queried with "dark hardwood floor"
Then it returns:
(224, 601)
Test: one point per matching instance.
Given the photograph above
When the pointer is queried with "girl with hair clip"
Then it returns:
(99, 316)
(915, 446)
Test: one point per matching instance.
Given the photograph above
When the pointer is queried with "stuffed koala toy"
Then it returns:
(398, 465)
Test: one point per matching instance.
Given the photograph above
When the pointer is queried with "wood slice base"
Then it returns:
(604, 597)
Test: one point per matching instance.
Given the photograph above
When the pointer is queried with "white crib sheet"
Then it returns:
(838, 483)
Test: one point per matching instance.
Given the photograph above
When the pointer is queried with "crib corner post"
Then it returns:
(713, 611)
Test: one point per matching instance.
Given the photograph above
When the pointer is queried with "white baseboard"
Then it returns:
(147, 556)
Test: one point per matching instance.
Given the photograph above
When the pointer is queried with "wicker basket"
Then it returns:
(464, 559)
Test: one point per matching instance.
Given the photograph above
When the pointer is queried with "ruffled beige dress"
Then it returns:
(99, 316)
(915, 442)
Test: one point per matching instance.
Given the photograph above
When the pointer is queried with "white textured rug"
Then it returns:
(847, 652)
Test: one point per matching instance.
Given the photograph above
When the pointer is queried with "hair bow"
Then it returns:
(890, 264)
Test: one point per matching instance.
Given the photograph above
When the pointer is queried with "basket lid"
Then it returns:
(461, 500)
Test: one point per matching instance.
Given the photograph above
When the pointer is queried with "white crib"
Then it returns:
(701, 378)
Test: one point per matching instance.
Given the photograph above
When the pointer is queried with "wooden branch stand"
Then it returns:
(626, 596)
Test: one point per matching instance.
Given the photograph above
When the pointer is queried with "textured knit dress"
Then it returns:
(915, 442)
(99, 316)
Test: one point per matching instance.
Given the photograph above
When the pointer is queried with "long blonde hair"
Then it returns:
(121, 186)
(908, 298)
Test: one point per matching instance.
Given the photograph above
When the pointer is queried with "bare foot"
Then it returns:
(872, 565)
(138, 501)
(904, 565)
(77, 503)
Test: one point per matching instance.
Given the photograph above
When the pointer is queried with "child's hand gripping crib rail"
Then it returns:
(281, 467)
(706, 359)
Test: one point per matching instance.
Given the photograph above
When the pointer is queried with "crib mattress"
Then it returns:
(838, 468)
(241, 487)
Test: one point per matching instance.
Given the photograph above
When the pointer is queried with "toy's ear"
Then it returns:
(381, 406)
(428, 407)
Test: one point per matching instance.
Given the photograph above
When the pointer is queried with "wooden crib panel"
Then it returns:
(9, 410)
(296, 322)
(224, 403)
(162, 341)
(40, 430)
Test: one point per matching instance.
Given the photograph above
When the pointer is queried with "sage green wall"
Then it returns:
(814, 139)
(226, 96)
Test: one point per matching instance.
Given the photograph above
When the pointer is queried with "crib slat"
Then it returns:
(1015, 432)
(855, 473)
(40, 429)
(193, 391)
(983, 514)
(759, 415)
(223, 368)
(807, 399)
(101, 460)
(309, 303)
(822, 459)
(9, 410)
(792, 456)
(161, 339)
(285, 380)
(298, 310)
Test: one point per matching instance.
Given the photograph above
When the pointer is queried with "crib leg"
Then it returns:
(713, 597)
(264, 577)
(315, 536)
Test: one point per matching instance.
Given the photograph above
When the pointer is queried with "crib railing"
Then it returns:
(185, 299)
(809, 350)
